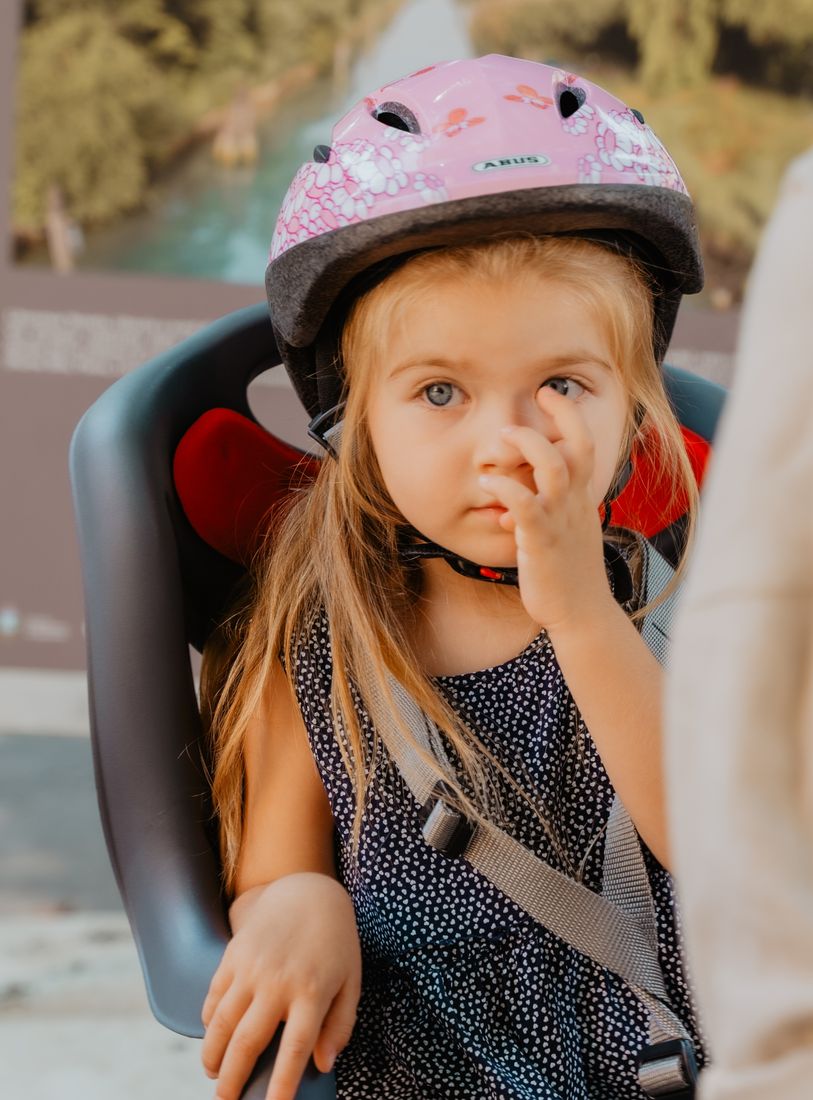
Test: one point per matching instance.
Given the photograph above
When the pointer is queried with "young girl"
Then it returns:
(473, 288)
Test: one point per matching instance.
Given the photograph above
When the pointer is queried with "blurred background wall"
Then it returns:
(146, 146)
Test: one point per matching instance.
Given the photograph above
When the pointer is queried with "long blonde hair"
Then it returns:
(335, 550)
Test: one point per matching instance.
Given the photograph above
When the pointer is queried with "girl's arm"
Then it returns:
(615, 680)
(618, 688)
(295, 953)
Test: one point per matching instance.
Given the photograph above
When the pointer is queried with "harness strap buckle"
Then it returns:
(668, 1069)
(444, 828)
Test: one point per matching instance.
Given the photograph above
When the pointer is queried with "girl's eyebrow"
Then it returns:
(550, 362)
(439, 361)
(570, 359)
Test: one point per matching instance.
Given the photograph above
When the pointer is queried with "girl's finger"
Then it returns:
(337, 1027)
(221, 1027)
(551, 474)
(298, 1040)
(507, 522)
(252, 1035)
(576, 444)
(218, 987)
(523, 504)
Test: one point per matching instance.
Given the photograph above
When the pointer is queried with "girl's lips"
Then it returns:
(496, 509)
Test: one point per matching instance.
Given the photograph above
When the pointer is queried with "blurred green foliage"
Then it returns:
(670, 43)
(732, 144)
(92, 113)
(726, 84)
(677, 41)
(545, 29)
(108, 90)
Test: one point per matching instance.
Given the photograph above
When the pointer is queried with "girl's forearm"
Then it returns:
(302, 846)
(242, 905)
(617, 685)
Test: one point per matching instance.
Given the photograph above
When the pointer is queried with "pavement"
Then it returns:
(74, 1019)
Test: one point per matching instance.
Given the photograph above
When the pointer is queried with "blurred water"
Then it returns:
(207, 221)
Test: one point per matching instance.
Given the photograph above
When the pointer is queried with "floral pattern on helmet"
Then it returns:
(343, 190)
(531, 96)
(617, 147)
(626, 144)
(664, 171)
(579, 121)
(589, 169)
(456, 121)
(429, 187)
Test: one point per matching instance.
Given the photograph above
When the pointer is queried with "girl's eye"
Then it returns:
(567, 387)
(439, 393)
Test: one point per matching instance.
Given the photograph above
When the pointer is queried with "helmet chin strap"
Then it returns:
(326, 429)
(410, 551)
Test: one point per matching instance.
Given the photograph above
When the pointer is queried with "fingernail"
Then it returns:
(484, 479)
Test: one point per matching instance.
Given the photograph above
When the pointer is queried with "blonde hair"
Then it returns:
(335, 550)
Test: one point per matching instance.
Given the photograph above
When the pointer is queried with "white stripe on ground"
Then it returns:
(75, 1020)
(38, 701)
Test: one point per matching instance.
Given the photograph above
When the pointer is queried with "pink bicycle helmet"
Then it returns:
(460, 151)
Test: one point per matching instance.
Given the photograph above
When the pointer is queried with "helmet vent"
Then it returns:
(570, 99)
(397, 115)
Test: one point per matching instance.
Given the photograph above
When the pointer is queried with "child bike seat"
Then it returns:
(173, 481)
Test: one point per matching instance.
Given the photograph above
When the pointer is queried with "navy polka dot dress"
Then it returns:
(465, 996)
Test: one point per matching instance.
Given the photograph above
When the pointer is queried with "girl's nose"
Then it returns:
(492, 450)
(495, 453)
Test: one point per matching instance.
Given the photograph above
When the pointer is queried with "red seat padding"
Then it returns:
(230, 473)
(646, 503)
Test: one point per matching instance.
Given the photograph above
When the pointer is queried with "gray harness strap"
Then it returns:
(617, 928)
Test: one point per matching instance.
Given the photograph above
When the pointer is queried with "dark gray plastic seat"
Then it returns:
(152, 588)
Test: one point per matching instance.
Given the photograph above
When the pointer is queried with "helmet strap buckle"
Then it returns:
(326, 429)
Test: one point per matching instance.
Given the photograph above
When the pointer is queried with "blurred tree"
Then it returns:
(548, 29)
(792, 20)
(108, 90)
(773, 46)
(165, 37)
(677, 40)
(221, 29)
(308, 29)
(674, 43)
(89, 131)
(148, 23)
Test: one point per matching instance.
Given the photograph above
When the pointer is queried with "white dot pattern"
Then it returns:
(464, 994)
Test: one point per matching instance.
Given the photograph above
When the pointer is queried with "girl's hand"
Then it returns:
(557, 527)
(295, 957)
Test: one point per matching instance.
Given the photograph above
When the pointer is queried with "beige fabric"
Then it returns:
(740, 694)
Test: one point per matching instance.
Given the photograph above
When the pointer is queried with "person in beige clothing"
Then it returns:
(740, 696)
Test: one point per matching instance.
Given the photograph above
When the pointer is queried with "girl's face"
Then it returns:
(468, 359)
